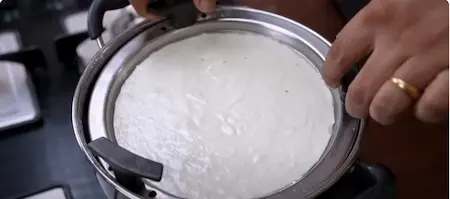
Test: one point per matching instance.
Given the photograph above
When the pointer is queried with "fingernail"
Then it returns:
(356, 103)
(330, 79)
(331, 84)
(381, 114)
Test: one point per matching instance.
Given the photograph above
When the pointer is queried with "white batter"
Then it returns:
(229, 115)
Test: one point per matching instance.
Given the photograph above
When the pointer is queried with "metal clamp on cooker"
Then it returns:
(335, 175)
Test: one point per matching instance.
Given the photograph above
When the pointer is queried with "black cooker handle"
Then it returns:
(125, 162)
(384, 183)
(97, 11)
(364, 181)
(181, 13)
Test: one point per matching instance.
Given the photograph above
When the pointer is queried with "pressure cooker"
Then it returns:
(337, 174)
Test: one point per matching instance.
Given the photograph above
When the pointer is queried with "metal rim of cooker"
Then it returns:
(99, 85)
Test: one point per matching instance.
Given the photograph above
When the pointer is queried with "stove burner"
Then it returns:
(53, 192)
(18, 104)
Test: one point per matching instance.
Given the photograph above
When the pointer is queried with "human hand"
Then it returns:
(406, 39)
(140, 6)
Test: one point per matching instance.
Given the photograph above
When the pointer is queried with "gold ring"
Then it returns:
(407, 88)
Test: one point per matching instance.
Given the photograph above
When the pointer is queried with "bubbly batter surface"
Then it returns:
(229, 115)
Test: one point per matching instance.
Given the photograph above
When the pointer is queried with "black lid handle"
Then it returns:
(364, 181)
(125, 161)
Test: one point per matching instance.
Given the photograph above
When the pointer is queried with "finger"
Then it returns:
(376, 71)
(141, 8)
(391, 102)
(352, 44)
(205, 6)
(433, 105)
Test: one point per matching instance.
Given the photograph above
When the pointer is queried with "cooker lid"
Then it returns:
(242, 116)
(224, 23)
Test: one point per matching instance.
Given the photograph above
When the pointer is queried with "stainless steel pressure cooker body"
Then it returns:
(132, 175)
